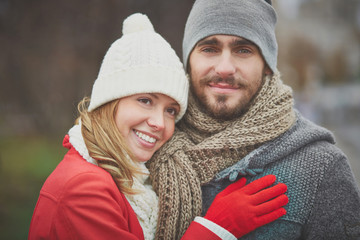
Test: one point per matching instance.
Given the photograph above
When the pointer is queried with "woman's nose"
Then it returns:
(156, 121)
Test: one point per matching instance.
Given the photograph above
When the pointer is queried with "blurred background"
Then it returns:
(51, 51)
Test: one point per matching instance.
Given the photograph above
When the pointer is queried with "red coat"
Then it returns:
(80, 200)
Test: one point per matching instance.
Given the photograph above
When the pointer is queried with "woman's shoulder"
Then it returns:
(74, 175)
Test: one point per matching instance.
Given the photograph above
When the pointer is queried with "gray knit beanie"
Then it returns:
(253, 20)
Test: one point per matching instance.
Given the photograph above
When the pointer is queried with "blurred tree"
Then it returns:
(327, 29)
(53, 51)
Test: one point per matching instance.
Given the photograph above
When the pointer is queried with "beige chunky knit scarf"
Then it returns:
(203, 146)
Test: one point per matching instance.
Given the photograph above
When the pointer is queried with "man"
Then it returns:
(241, 122)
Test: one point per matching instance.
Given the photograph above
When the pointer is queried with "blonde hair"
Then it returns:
(106, 145)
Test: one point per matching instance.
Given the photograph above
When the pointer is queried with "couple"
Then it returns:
(240, 126)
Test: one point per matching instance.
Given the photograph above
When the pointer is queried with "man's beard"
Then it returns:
(220, 110)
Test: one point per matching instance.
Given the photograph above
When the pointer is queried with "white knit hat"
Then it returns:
(141, 61)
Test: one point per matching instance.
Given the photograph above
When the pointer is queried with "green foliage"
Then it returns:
(24, 165)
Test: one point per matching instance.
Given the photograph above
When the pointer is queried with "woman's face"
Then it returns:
(146, 121)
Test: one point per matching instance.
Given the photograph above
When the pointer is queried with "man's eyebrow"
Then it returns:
(211, 41)
(234, 43)
(242, 42)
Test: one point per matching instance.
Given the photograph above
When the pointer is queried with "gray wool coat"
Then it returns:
(324, 199)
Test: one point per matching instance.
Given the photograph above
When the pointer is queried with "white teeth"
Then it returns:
(145, 137)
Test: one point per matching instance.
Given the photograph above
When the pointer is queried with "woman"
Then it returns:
(101, 189)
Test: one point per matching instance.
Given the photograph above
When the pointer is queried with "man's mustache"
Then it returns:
(230, 80)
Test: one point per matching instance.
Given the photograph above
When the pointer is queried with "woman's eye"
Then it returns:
(145, 100)
(172, 111)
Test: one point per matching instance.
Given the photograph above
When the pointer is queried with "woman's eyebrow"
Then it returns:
(153, 95)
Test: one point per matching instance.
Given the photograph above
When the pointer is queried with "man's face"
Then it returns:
(226, 73)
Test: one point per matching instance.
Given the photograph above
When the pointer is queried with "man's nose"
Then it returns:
(225, 65)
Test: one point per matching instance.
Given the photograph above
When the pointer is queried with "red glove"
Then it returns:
(241, 209)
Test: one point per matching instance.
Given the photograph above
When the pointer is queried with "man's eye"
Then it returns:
(244, 50)
(208, 50)
(144, 100)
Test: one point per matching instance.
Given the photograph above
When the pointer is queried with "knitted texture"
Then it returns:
(302, 172)
(324, 201)
(202, 147)
(256, 204)
(76, 139)
(141, 61)
(145, 204)
(253, 20)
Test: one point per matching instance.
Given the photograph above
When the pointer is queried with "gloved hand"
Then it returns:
(241, 209)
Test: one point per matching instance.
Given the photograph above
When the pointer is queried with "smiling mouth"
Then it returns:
(145, 137)
(223, 85)
(223, 88)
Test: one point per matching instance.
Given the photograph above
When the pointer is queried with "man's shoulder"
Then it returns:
(312, 138)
